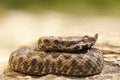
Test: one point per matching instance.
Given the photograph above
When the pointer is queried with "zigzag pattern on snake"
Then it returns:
(76, 62)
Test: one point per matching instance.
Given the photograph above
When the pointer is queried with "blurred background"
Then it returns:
(24, 21)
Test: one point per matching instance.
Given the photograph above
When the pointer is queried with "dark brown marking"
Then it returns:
(40, 40)
(88, 64)
(55, 47)
(76, 47)
(57, 42)
(20, 59)
(41, 65)
(53, 67)
(94, 67)
(65, 68)
(11, 58)
(85, 47)
(47, 64)
(33, 62)
(59, 62)
(67, 56)
(73, 64)
(26, 68)
(43, 47)
(99, 62)
(71, 43)
(46, 41)
(76, 69)
(42, 56)
(59, 65)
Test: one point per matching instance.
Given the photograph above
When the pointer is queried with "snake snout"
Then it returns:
(90, 39)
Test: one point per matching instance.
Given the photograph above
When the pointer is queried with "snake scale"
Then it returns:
(69, 56)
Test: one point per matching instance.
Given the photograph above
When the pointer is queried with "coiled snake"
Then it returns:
(70, 56)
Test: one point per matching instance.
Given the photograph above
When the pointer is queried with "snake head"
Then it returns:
(91, 40)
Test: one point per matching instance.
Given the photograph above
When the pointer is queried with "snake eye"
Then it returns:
(85, 38)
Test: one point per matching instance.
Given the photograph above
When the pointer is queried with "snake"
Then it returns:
(66, 44)
(59, 56)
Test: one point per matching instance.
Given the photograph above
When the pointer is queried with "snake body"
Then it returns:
(82, 61)
(66, 44)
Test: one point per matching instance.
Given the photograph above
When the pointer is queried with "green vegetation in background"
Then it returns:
(81, 7)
